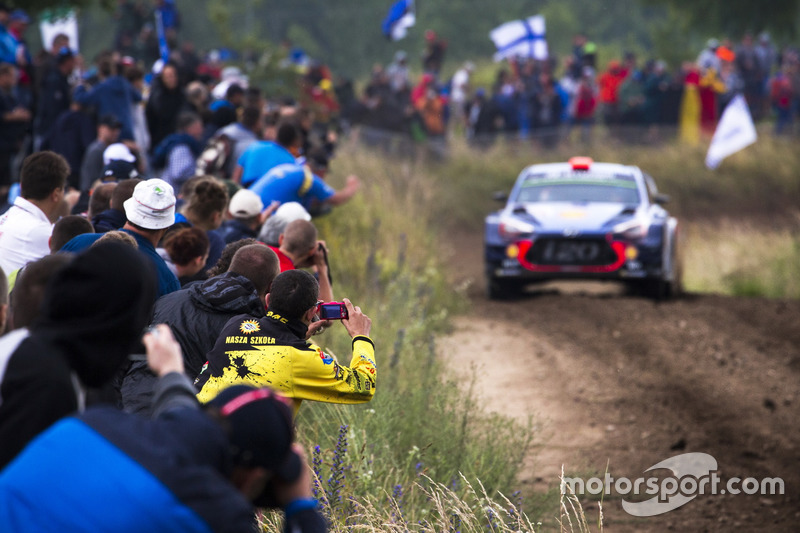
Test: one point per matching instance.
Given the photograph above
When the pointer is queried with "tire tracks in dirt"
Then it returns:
(626, 382)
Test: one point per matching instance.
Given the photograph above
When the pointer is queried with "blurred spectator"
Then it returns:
(275, 225)
(433, 56)
(609, 83)
(73, 132)
(262, 156)
(14, 121)
(178, 152)
(28, 286)
(245, 210)
(165, 103)
(547, 112)
(752, 74)
(483, 120)
(8, 43)
(708, 58)
(297, 183)
(460, 91)
(585, 103)
(781, 97)
(141, 134)
(240, 135)
(114, 95)
(81, 339)
(55, 94)
(398, 73)
(205, 208)
(108, 128)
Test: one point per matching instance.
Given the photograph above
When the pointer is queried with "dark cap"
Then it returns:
(64, 53)
(111, 121)
(118, 169)
(261, 429)
(318, 157)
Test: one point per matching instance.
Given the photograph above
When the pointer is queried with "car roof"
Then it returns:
(565, 169)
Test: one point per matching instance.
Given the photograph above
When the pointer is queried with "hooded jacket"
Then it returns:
(196, 315)
(93, 315)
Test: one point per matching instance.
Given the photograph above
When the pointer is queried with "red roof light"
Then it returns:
(580, 163)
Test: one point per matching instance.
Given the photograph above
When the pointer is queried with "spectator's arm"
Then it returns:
(173, 389)
(350, 189)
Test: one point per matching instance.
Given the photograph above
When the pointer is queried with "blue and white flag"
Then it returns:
(520, 38)
(400, 17)
(163, 47)
(734, 131)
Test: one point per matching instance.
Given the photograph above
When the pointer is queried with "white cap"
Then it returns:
(152, 205)
(118, 151)
(245, 204)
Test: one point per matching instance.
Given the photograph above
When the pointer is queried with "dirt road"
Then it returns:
(622, 383)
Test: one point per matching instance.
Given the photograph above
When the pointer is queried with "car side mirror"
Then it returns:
(661, 199)
(500, 196)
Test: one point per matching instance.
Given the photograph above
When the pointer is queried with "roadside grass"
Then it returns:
(739, 258)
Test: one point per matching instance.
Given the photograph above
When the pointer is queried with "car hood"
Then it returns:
(577, 216)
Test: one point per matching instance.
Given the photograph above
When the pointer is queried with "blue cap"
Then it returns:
(20, 15)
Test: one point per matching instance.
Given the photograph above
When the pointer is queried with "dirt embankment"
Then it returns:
(623, 382)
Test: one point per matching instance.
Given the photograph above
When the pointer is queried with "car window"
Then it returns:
(609, 191)
(652, 191)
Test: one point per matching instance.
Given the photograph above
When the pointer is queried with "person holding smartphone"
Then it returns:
(275, 349)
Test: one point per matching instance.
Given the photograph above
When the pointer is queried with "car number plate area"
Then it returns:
(570, 252)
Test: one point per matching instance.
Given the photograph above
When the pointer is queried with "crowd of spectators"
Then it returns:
(547, 99)
(140, 191)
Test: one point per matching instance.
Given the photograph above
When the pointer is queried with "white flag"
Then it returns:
(54, 22)
(520, 38)
(734, 131)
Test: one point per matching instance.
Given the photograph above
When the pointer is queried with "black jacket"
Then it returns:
(196, 316)
(93, 315)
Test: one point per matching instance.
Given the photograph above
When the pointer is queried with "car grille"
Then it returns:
(583, 252)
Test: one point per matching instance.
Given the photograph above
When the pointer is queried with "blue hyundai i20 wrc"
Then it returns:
(583, 220)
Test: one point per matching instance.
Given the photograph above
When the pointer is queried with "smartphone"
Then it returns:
(332, 311)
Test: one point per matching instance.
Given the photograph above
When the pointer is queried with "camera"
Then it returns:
(332, 311)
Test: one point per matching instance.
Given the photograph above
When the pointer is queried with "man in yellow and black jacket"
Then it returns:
(273, 351)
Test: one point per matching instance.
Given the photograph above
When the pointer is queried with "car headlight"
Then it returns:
(512, 228)
(633, 229)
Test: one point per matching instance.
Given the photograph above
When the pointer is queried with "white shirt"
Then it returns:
(458, 88)
(24, 235)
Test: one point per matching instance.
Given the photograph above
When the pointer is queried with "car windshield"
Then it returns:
(617, 191)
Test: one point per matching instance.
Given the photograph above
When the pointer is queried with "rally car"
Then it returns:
(582, 220)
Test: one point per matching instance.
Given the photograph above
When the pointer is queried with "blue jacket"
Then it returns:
(93, 471)
(110, 471)
(260, 157)
(113, 96)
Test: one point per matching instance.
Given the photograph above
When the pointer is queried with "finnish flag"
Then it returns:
(400, 17)
(734, 131)
(520, 38)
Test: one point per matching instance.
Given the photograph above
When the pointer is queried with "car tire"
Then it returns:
(501, 289)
